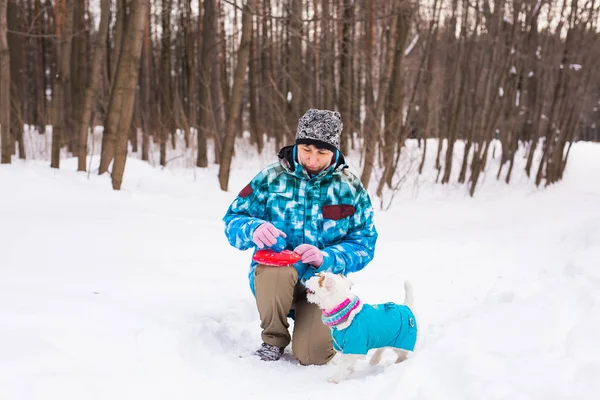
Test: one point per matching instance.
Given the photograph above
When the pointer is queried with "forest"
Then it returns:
(522, 73)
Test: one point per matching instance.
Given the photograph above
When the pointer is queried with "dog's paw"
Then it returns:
(335, 379)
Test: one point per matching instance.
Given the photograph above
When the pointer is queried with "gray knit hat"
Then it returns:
(321, 128)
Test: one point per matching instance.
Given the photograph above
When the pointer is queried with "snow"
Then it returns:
(137, 295)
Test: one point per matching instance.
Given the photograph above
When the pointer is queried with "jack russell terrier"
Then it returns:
(356, 327)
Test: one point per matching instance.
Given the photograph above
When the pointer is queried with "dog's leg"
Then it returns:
(376, 358)
(402, 355)
(336, 358)
(346, 367)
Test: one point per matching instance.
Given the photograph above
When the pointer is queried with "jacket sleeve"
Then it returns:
(358, 247)
(246, 213)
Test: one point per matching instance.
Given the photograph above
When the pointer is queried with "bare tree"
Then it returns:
(125, 83)
(146, 89)
(90, 93)
(18, 89)
(345, 91)
(208, 62)
(394, 127)
(375, 111)
(78, 75)
(60, 104)
(236, 93)
(295, 64)
(253, 77)
(4, 86)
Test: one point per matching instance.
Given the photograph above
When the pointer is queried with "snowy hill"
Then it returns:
(137, 294)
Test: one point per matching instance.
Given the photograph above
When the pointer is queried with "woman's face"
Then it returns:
(314, 160)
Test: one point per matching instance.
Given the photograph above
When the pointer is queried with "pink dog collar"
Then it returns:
(340, 313)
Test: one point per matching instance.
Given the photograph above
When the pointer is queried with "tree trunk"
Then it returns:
(267, 94)
(375, 112)
(18, 89)
(166, 103)
(394, 112)
(236, 94)
(79, 81)
(118, 37)
(126, 81)
(368, 134)
(345, 92)
(209, 57)
(115, 104)
(4, 87)
(357, 89)
(462, 74)
(190, 58)
(61, 86)
(38, 71)
(295, 64)
(255, 128)
(91, 91)
(224, 81)
(146, 89)
(327, 57)
(427, 83)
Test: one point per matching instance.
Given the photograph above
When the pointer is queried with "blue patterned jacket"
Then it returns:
(331, 211)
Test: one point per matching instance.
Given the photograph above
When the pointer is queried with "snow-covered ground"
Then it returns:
(137, 295)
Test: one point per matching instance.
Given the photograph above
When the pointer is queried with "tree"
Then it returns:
(236, 93)
(4, 86)
(208, 62)
(122, 95)
(60, 94)
(88, 101)
(345, 92)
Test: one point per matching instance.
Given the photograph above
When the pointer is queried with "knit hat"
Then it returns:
(321, 128)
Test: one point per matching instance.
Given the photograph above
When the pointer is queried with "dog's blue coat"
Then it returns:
(380, 325)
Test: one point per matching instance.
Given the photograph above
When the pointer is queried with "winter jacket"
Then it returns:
(331, 211)
(375, 326)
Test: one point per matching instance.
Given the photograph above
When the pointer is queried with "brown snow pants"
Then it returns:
(277, 292)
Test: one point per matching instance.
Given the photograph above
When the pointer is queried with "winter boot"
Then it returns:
(269, 352)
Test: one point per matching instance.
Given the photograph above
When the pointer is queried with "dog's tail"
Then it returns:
(409, 298)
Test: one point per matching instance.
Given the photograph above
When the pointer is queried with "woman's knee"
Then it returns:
(316, 353)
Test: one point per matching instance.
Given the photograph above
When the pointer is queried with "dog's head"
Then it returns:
(327, 290)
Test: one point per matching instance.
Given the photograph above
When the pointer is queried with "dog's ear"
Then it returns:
(321, 279)
(325, 282)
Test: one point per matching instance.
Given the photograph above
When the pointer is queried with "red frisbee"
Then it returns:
(276, 259)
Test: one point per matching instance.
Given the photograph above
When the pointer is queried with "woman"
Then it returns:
(325, 215)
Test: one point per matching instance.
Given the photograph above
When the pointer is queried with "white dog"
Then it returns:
(356, 328)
